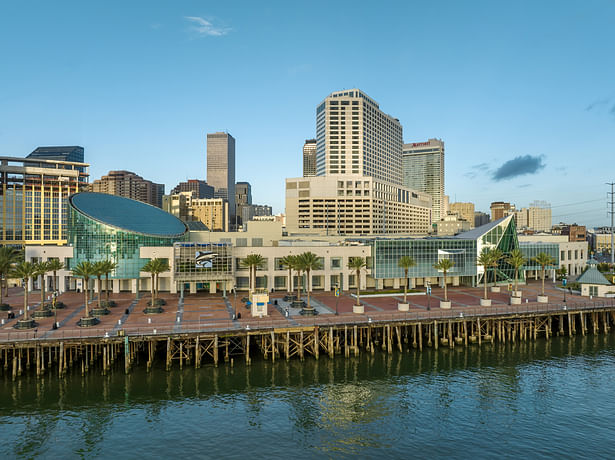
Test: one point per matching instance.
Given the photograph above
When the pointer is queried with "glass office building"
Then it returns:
(463, 250)
(109, 227)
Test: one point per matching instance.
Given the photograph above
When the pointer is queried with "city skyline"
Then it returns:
(537, 100)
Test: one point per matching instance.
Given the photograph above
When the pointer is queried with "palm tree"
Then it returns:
(99, 271)
(109, 267)
(357, 264)
(54, 266)
(85, 270)
(308, 262)
(252, 262)
(25, 271)
(517, 261)
(288, 262)
(543, 259)
(406, 262)
(8, 257)
(154, 267)
(484, 260)
(496, 256)
(444, 265)
(42, 268)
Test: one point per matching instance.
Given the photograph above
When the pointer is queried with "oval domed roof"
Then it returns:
(126, 214)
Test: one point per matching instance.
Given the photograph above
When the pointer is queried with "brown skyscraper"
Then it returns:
(499, 209)
(129, 185)
(309, 158)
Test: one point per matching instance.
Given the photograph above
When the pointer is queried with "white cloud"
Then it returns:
(205, 27)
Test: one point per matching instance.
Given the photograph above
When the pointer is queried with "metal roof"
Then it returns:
(128, 215)
(477, 232)
(593, 276)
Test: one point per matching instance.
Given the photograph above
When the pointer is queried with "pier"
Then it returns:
(199, 330)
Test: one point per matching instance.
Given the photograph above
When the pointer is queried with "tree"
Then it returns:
(484, 260)
(109, 267)
(288, 262)
(496, 255)
(154, 267)
(561, 272)
(85, 270)
(25, 271)
(357, 264)
(42, 268)
(252, 262)
(99, 271)
(406, 262)
(309, 261)
(9, 256)
(516, 260)
(543, 259)
(54, 266)
(444, 265)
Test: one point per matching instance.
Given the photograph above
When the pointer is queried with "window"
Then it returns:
(593, 290)
(258, 242)
(336, 263)
(562, 255)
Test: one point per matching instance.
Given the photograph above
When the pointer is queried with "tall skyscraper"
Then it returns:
(243, 199)
(353, 136)
(423, 170)
(221, 168)
(309, 158)
(129, 185)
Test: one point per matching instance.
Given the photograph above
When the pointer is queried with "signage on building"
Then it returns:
(420, 144)
(204, 259)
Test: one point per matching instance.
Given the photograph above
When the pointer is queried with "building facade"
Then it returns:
(423, 170)
(309, 158)
(221, 168)
(499, 209)
(73, 153)
(34, 198)
(480, 218)
(353, 136)
(213, 212)
(198, 188)
(464, 210)
(243, 200)
(129, 185)
(347, 204)
(451, 224)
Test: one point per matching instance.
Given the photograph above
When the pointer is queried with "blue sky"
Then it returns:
(139, 84)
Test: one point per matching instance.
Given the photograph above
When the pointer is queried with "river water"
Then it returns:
(534, 400)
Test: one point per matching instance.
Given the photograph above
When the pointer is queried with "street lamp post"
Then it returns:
(337, 298)
(428, 296)
(235, 303)
(55, 310)
(564, 282)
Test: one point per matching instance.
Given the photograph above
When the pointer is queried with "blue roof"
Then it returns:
(126, 214)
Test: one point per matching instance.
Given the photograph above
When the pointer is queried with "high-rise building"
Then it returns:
(423, 170)
(129, 185)
(34, 195)
(346, 204)
(353, 136)
(221, 168)
(480, 218)
(71, 153)
(250, 211)
(198, 188)
(464, 210)
(243, 199)
(499, 209)
(539, 216)
(309, 158)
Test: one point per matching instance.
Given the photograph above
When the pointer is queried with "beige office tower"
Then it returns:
(464, 211)
(539, 216)
(423, 170)
(353, 204)
(309, 158)
(353, 136)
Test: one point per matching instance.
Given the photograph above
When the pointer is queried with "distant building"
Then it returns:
(64, 153)
(499, 209)
(213, 212)
(537, 217)
(221, 168)
(480, 218)
(464, 210)
(198, 188)
(309, 158)
(250, 211)
(451, 224)
(129, 185)
(575, 232)
(243, 199)
(423, 170)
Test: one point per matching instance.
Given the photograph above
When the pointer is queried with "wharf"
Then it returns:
(200, 330)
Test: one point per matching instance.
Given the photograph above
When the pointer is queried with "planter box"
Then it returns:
(515, 300)
(495, 288)
(543, 299)
(445, 305)
(485, 302)
(517, 293)
(358, 309)
(403, 307)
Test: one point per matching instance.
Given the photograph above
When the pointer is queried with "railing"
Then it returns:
(265, 324)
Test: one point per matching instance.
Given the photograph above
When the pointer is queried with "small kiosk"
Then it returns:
(259, 301)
